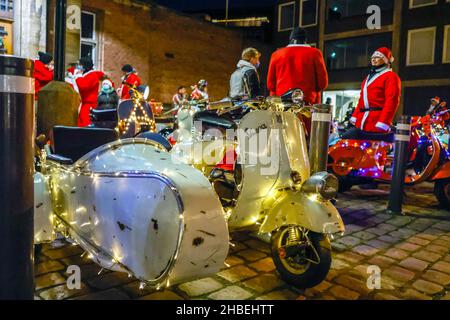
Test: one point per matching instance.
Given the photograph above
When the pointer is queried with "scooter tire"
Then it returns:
(315, 273)
(442, 192)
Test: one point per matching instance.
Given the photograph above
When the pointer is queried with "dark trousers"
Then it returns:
(358, 134)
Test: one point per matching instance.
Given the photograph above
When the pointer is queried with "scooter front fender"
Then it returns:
(308, 211)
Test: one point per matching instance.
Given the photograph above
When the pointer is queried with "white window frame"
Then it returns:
(412, 6)
(408, 50)
(301, 14)
(279, 16)
(94, 40)
(446, 35)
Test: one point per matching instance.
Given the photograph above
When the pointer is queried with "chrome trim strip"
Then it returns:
(16, 84)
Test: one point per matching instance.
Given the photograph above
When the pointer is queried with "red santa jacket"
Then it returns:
(378, 102)
(129, 81)
(42, 76)
(298, 66)
(88, 86)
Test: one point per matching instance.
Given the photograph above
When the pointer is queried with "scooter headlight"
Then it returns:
(322, 183)
(297, 96)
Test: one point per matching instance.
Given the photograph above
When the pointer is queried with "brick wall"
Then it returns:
(168, 49)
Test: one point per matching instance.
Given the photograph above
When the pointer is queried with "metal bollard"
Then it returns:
(402, 138)
(60, 39)
(320, 134)
(16, 172)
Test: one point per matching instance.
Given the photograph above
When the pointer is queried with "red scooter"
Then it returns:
(357, 162)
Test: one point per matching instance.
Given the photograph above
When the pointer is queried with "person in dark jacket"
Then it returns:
(244, 82)
(108, 98)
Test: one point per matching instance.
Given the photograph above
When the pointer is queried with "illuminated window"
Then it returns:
(286, 16)
(88, 36)
(308, 12)
(421, 3)
(421, 46)
(446, 55)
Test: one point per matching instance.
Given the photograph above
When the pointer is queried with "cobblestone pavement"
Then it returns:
(412, 252)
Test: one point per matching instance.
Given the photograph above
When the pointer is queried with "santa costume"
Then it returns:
(88, 87)
(298, 66)
(42, 73)
(129, 80)
(379, 97)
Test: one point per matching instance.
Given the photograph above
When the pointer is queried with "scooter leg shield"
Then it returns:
(308, 211)
(43, 222)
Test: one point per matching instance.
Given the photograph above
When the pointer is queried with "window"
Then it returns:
(446, 55)
(308, 12)
(421, 46)
(354, 52)
(6, 9)
(421, 3)
(88, 36)
(286, 16)
(338, 9)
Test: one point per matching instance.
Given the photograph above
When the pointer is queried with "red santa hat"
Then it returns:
(437, 99)
(385, 54)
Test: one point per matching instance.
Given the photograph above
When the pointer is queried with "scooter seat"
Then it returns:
(212, 119)
(357, 134)
(157, 138)
(99, 115)
(74, 142)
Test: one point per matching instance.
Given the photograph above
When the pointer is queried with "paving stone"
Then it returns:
(365, 250)
(338, 264)
(385, 296)
(350, 228)
(364, 235)
(419, 241)
(231, 293)
(263, 265)
(396, 253)
(64, 252)
(414, 264)
(381, 261)
(400, 221)
(258, 245)
(251, 255)
(435, 232)
(399, 274)
(264, 283)
(378, 244)
(426, 236)
(237, 246)
(200, 287)
(49, 280)
(48, 266)
(350, 256)
(386, 226)
(341, 292)
(437, 249)
(446, 297)
(237, 273)
(63, 292)
(389, 239)
(412, 294)
(162, 295)
(77, 260)
(89, 271)
(427, 287)
(443, 225)
(111, 294)
(408, 246)
(134, 289)
(442, 266)
(232, 260)
(279, 295)
(349, 241)
(437, 277)
(353, 284)
(377, 231)
(441, 242)
(109, 280)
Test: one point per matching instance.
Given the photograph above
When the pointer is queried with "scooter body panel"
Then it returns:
(307, 211)
(135, 210)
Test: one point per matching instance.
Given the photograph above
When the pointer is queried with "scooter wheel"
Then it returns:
(298, 271)
(442, 192)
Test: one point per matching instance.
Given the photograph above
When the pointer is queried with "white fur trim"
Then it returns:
(383, 126)
(353, 120)
(382, 56)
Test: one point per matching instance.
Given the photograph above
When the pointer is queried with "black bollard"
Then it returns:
(320, 134)
(60, 39)
(402, 138)
(16, 172)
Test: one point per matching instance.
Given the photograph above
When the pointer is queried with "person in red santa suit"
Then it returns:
(298, 66)
(43, 71)
(378, 102)
(130, 79)
(88, 87)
